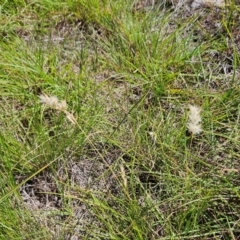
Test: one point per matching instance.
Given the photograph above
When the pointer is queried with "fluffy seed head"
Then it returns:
(53, 102)
(194, 128)
(194, 125)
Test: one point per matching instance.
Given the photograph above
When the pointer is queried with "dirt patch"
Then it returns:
(49, 196)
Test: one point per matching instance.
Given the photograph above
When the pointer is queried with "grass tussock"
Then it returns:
(119, 120)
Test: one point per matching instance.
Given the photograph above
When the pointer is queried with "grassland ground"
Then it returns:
(95, 140)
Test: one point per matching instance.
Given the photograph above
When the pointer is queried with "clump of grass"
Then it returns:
(122, 168)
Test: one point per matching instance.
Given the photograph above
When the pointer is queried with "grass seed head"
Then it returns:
(195, 119)
(53, 102)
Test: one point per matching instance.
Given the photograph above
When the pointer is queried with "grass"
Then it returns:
(127, 168)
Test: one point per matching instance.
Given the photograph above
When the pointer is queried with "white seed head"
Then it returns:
(62, 106)
(53, 102)
(194, 128)
(194, 114)
(194, 125)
